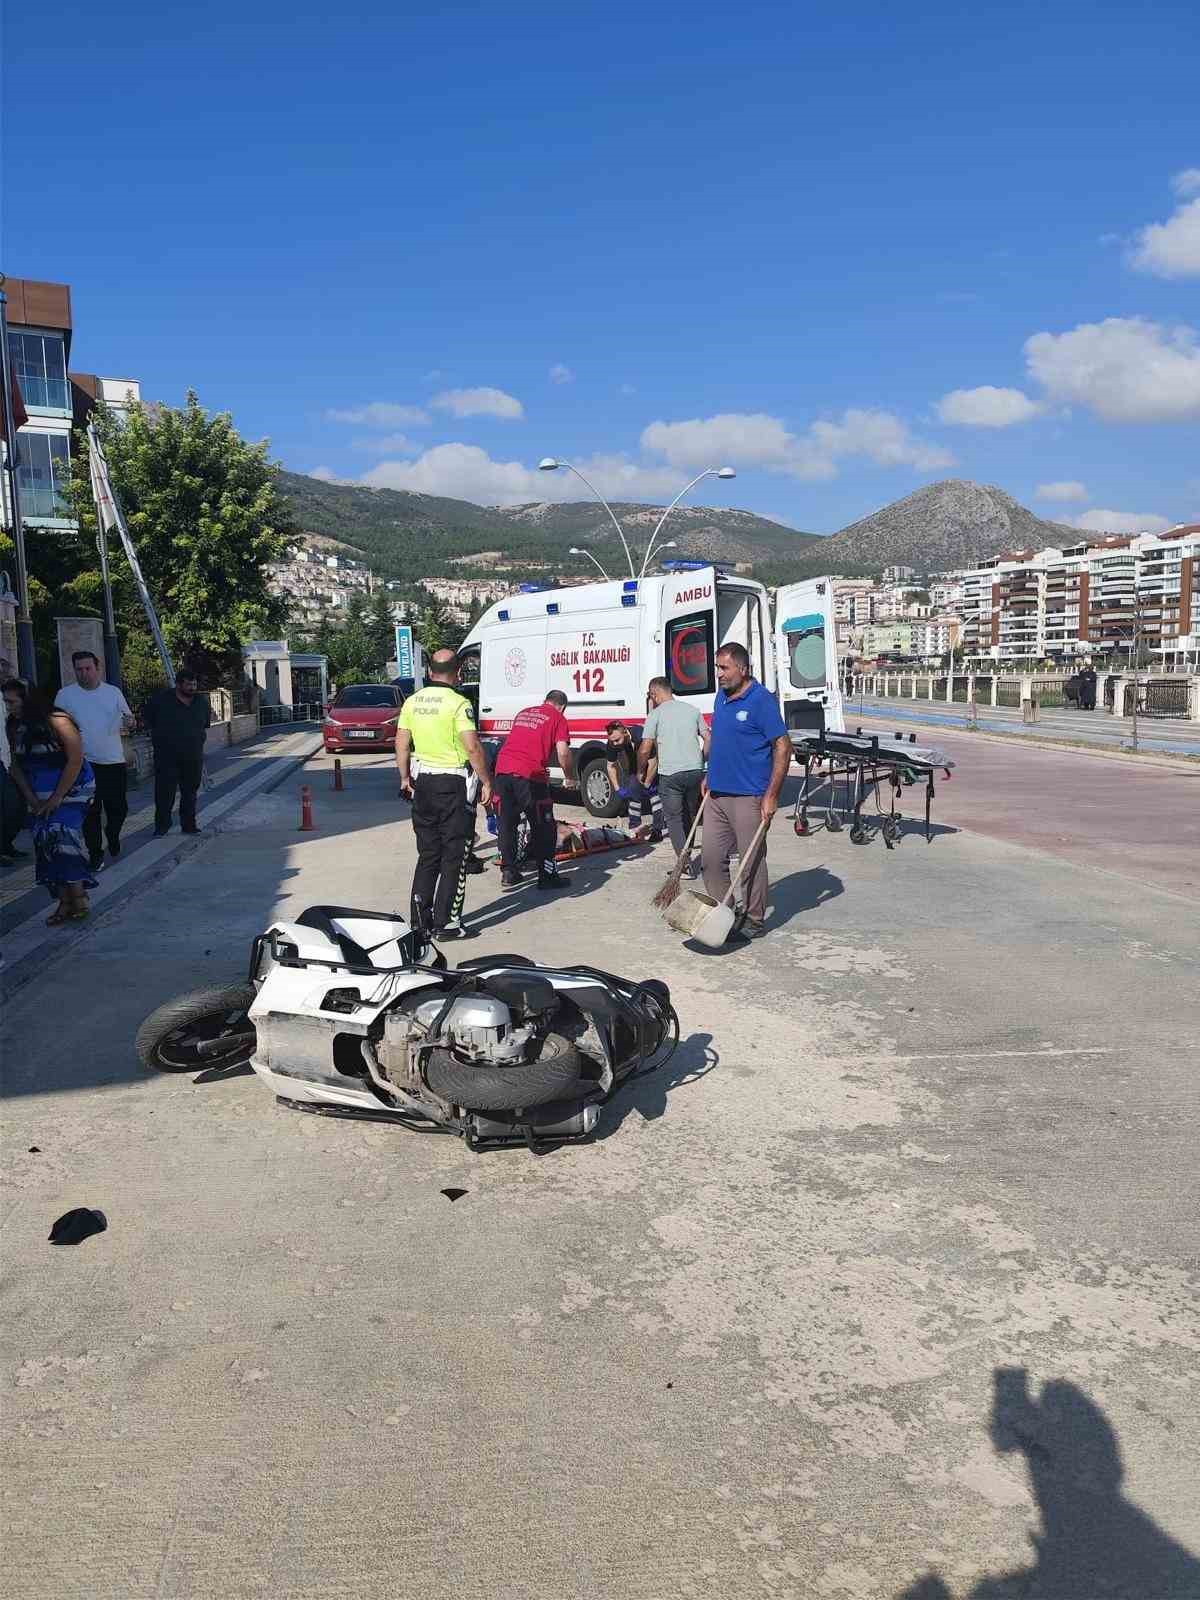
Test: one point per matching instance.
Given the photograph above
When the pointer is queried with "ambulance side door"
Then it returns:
(806, 655)
(592, 656)
(512, 670)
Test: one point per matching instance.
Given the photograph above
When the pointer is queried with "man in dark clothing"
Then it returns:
(178, 720)
(1087, 689)
(523, 785)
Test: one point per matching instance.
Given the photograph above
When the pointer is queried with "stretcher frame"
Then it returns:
(856, 764)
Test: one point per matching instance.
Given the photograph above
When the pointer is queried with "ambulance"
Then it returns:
(601, 643)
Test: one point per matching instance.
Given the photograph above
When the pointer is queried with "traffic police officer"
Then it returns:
(437, 731)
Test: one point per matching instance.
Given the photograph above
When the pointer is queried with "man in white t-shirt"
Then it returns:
(103, 714)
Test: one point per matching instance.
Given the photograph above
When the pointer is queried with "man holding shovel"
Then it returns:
(748, 760)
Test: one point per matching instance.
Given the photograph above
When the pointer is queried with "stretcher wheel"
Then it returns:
(891, 830)
(801, 828)
(858, 835)
(833, 822)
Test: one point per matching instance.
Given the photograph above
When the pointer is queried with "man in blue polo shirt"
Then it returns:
(747, 763)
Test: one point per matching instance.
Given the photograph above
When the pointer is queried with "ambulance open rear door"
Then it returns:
(806, 656)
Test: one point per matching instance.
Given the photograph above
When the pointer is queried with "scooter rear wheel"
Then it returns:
(185, 1035)
(553, 1076)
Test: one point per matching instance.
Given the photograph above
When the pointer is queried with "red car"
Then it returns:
(362, 717)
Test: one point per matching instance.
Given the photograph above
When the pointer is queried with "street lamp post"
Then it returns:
(577, 550)
(551, 464)
(709, 472)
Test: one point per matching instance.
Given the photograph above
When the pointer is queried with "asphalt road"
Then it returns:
(894, 1270)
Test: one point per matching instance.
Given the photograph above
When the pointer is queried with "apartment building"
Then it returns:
(1089, 599)
(975, 607)
(934, 636)
(55, 399)
(846, 591)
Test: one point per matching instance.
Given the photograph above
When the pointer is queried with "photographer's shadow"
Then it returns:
(694, 1059)
(1093, 1541)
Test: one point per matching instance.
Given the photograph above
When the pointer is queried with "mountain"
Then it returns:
(420, 535)
(944, 525)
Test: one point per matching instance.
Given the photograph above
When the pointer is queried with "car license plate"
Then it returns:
(360, 733)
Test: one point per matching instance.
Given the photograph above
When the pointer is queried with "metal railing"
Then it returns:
(1160, 698)
(276, 716)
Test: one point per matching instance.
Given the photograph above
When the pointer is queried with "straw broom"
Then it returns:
(669, 892)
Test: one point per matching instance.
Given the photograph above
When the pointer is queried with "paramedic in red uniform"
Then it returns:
(523, 787)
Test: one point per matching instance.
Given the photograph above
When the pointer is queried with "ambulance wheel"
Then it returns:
(597, 791)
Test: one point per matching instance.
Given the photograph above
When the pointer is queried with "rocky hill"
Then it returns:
(944, 525)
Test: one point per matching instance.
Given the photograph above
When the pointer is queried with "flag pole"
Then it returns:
(110, 515)
(112, 654)
(26, 654)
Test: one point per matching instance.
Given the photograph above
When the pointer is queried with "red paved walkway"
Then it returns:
(1140, 821)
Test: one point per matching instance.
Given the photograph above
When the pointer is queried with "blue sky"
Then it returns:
(847, 252)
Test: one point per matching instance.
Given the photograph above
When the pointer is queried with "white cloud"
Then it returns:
(387, 444)
(479, 403)
(881, 437)
(1125, 369)
(750, 438)
(1122, 522)
(1066, 490)
(381, 414)
(986, 407)
(465, 472)
(561, 374)
(758, 439)
(325, 475)
(1171, 249)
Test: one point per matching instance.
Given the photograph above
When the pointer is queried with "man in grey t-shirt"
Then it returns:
(678, 735)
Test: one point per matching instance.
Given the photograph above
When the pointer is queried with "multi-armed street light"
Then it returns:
(553, 463)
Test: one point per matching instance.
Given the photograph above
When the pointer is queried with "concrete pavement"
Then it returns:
(234, 776)
(940, 1126)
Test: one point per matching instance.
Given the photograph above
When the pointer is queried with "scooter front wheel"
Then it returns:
(206, 1028)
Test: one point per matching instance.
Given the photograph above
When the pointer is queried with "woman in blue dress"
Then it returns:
(49, 769)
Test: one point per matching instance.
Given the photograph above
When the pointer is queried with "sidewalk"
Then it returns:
(1166, 735)
(236, 775)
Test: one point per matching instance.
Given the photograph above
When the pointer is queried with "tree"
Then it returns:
(205, 514)
(381, 626)
(436, 630)
(351, 650)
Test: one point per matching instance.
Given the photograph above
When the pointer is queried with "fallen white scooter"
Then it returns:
(355, 1013)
